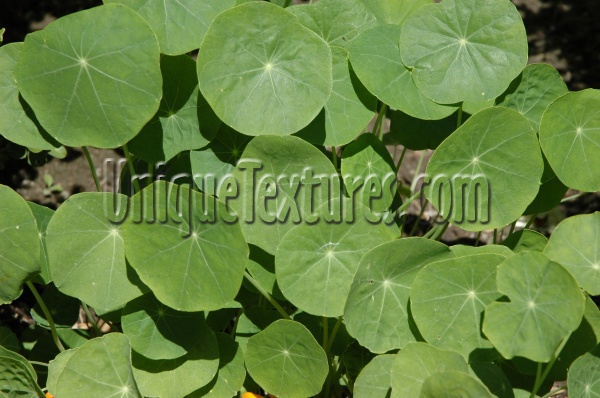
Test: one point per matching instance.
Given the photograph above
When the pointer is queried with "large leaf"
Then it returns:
(286, 360)
(19, 244)
(272, 77)
(179, 25)
(575, 244)
(448, 298)
(545, 306)
(453, 384)
(99, 368)
(206, 255)
(464, 50)
(375, 56)
(487, 172)
(91, 89)
(86, 253)
(584, 376)
(375, 380)
(17, 121)
(377, 309)
(570, 139)
(17, 376)
(394, 11)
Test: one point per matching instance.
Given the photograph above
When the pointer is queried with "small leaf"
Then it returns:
(584, 376)
(375, 380)
(526, 240)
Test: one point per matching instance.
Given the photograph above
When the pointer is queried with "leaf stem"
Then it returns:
(407, 202)
(266, 294)
(459, 116)
(130, 165)
(413, 184)
(38, 363)
(531, 220)
(325, 334)
(334, 158)
(92, 168)
(512, 228)
(438, 234)
(556, 391)
(416, 224)
(377, 128)
(40, 301)
(91, 319)
(477, 239)
(568, 198)
(334, 332)
(540, 380)
(401, 159)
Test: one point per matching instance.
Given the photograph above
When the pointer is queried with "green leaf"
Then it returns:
(63, 309)
(158, 332)
(17, 376)
(56, 367)
(262, 268)
(252, 321)
(570, 139)
(584, 376)
(394, 11)
(181, 376)
(493, 377)
(545, 306)
(42, 216)
(575, 244)
(355, 358)
(464, 50)
(488, 182)
(19, 244)
(375, 380)
(9, 340)
(206, 258)
(416, 362)
(18, 124)
(180, 26)
(184, 120)
(86, 253)
(375, 57)
(526, 240)
(465, 251)
(286, 360)
(271, 171)
(453, 384)
(271, 82)
(231, 374)
(99, 368)
(315, 264)
(448, 298)
(532, 91)
(377, 312)
(315, 324)
(551, 192)
(107, 91)
(368, 158)
(418, 134)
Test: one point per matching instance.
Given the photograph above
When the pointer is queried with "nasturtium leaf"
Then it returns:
(286, 360)
(178, 125)
(416, 362)
(180, 25)
(394, 11)
(99, 368)
(488, 182)
(19, 244)
(464, 50)
(418, 134)
(575, 244)
(465, 250)
(551, 192)
(492, 376)
(375, 380)
(368, 158)
(63, 309)
(17, 121)
(262, 268)
(17, 376)
(448, 298)
(56, 367)
(252, 321)
(541, 292)
(375, 57)
(453, 384)
(584, 376)
(181, 376)
(570, 139)
(376, 312)
(525, 240)
(92, 89)
(532, 91)
(231, 374)
(280, 187)
(315, 264)
(86, 252)
(472, 107)
(42, 216)
(157, 331)
(355, 358)
(192, 259)
(9, 340)
(272, 77)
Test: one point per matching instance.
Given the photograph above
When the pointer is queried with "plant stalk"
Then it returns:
(92, 168)
(130, 165)
(40, 301)
(91, 319)
(266, 294)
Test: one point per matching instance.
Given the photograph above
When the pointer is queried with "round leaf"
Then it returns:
(551, 192)
(570, 139)
(86, 253)
(181, 25)
(394, 11)
(545, 306)
(56, 367)
(286, 360)
(206, 258)
(375, 380)
(381, 70)
(584, 376)
(252, 321)
(453, 384)
(271, 82)
(464, 50)
(19, 244)
(488, 182)
(376, 312)
(526, 240)
(17, 376)
(89, 75)
(99, 368)
(448, 298)
(575, 244)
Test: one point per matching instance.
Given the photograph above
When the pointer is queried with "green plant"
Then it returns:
(297, 280)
